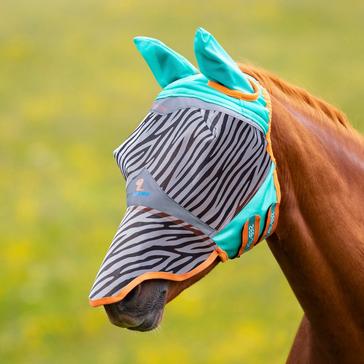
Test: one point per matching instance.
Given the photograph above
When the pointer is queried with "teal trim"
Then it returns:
(229, 238)
(196, 86)
(215, 63)
(166, 64)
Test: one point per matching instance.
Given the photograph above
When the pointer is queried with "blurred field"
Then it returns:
(72, 87)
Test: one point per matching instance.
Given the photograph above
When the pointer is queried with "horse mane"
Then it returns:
(272, 82)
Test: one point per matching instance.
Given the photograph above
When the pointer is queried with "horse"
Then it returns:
(318, 239)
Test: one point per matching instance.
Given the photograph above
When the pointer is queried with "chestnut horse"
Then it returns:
(319, 239)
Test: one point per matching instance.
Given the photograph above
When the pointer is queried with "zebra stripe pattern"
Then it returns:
(147, 241)
(207, 161)
(210, 163)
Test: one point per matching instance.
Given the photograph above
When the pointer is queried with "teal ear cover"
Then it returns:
(167, 65)
(216, 64)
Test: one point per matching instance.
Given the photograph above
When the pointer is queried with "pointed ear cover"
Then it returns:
(216, 64)
(167, 65)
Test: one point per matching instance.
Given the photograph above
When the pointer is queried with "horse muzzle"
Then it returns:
(142, 309)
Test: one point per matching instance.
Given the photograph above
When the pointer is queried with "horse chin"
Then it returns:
(150, 322)
(143, 321)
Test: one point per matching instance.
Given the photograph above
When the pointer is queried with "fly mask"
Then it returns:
(201, 176)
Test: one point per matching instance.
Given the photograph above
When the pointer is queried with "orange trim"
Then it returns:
(269, 145)
(222, 255)
(270, 151)
(244, 238)
(235, 93)
(160, 275)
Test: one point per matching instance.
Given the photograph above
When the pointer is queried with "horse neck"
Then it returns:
(319, 240)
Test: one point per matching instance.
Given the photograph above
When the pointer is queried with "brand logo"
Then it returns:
(139, 185)
(139, 188)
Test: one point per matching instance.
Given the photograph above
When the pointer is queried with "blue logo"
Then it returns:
(141, 193)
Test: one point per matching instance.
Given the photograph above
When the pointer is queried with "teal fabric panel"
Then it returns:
(229, 238)
(166, 64)
(216, 64)
(196, 86)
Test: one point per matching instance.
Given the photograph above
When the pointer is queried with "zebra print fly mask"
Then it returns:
(200, 174)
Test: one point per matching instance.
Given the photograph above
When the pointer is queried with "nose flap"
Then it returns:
(143, 190)
(150, 244)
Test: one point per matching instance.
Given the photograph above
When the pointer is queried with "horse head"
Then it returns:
(201, 182)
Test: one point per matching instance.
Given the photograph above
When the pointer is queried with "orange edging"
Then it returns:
(235, 93)
(160, 275)
(270, 151)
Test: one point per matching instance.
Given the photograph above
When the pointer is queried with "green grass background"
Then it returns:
(72, 87)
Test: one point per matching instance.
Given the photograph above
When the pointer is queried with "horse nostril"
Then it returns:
(164, 292)
(134, 293)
